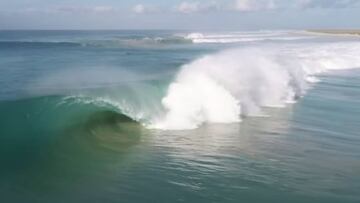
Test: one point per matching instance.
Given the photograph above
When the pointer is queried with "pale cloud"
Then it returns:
(139, 8)
(193, 7)
(188, 7)
(254, 5)
(142, 9)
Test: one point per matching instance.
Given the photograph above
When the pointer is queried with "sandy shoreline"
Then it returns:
(336, 31)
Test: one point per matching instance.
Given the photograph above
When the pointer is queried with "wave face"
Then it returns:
(224, 87)
(57, 114)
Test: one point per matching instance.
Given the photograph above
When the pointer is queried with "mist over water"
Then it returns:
(162, 116)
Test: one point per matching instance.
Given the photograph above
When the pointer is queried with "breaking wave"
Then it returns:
(237, 37)
(230, 85)
(223, 87)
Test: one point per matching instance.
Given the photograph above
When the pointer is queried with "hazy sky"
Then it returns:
(179, 14)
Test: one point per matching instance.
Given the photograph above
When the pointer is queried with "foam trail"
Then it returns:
(224, 87)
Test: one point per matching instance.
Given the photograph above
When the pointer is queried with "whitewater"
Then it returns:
(232, 84)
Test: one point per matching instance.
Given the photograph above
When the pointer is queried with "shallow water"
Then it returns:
(77, 112)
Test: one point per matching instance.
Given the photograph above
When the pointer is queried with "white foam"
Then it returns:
(226, 86)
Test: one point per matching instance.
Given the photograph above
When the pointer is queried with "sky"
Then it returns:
(179, 14)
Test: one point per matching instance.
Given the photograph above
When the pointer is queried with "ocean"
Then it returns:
(179, 116)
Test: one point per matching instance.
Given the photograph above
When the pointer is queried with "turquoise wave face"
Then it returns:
(154, 116)
(30, 125)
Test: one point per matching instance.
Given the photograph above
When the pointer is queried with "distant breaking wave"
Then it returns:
(237, 37)
(230, 85)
